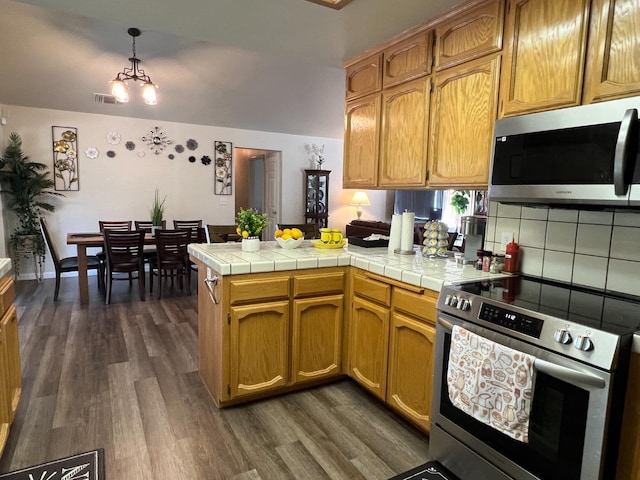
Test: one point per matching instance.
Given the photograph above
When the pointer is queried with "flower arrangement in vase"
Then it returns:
(249, 224)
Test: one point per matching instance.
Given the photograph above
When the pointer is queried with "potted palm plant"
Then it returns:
(157, 212)
(25, 183)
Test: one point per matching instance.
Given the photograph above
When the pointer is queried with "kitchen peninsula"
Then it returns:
(279, 320)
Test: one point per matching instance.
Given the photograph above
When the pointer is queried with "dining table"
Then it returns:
(83, 240)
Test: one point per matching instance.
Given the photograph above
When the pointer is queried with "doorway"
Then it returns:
(258, 184)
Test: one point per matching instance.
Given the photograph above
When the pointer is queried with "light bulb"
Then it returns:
(120, 91)
(149, 94)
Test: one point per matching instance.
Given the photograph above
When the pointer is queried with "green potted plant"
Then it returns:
(249, 224)
(460, 201)
(25, 183)
(157, 212)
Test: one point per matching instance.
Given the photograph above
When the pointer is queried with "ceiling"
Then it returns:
(267, 65)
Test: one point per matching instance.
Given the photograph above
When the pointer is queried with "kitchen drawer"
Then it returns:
(421, 306)
(7, 293)
(255, 291)
(373, 290)
(320, 283)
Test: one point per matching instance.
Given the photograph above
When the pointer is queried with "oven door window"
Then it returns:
(557, 427)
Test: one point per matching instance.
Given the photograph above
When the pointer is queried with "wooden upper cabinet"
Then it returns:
(361, 142)
(613, 62)
(463, 112)
(408, 59)
(403, 140)
(544, 55)
(364, 77)
(469, 35)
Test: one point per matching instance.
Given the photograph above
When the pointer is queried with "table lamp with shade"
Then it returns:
(359, 199)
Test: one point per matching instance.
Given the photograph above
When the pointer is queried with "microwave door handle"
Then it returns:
(568, 374)
(623, 150)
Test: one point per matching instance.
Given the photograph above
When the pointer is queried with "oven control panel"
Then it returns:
(511, 320)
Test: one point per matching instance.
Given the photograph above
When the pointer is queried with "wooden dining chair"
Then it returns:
(67, 264)
(125, 254)
(172, 259)
(145, 226)
(310, 230)
(222, 234)
(124, 225)
(192, 225)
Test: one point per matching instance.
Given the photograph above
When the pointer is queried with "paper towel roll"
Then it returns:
(406, 234)
(395, 232)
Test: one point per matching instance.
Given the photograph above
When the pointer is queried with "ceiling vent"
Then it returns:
(104, 98)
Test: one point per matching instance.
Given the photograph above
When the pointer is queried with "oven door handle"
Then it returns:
(560, 372)
(568, 375)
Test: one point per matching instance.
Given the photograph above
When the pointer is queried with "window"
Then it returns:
(426, 204)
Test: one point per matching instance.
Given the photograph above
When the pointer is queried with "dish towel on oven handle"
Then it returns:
(491, 382)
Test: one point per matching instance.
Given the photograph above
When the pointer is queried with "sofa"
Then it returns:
(364, 228)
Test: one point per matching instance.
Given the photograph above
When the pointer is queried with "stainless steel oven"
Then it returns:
(581, 342)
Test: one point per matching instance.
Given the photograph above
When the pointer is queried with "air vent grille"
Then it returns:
(104, 98)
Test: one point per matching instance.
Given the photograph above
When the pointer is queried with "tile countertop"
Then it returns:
(5, 266)
(229, 259)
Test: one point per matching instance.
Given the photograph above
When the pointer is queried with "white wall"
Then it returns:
(123, 187)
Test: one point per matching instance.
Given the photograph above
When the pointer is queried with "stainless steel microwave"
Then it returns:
(586, 156)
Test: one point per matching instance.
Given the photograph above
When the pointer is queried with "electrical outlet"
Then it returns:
(223, 201)
(506, 238)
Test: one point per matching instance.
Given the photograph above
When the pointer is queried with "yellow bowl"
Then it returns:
(290, 243)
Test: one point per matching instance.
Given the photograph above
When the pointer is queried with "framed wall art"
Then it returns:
(65, 158)
(224, 168)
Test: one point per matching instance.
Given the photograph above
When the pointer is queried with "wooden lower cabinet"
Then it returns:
(368, 347)
(259, 341)
(410, 378)
(266, 333)
(10, 370)
(317, 337)
(629, 455)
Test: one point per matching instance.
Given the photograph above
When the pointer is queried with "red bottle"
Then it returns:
(512, 252)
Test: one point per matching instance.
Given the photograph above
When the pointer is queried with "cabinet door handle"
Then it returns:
(208, 282)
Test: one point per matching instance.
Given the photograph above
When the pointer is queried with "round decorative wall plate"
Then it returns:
(113, 138)
(92, 152)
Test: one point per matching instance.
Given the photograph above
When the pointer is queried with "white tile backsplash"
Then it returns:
(600, 218)
(533, 233)
(622, 276)
(591, 248)
(560, 215)
(627, 219)
(590, 271)
(625, 243)
(593, 240)
(509, 211)
(555, 265)
(561, 236)
(531, 213)
(531, 261)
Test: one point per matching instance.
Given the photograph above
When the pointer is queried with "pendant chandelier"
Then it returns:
(119, 87)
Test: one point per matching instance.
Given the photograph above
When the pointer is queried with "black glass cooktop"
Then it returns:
(603, 310)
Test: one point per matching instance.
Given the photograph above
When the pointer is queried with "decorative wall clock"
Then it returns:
(157, 140)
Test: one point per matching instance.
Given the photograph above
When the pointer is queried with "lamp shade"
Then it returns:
(360, 198)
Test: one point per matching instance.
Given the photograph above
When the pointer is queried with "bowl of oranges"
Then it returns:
(289, 238)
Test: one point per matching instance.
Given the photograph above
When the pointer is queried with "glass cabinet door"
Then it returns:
(317, 196)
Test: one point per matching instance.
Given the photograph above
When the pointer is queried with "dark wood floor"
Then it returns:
(124, 377)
